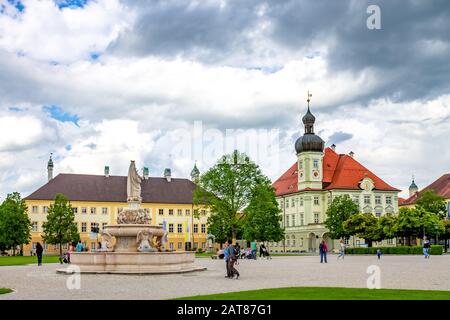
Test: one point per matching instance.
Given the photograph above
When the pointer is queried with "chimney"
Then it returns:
(333, 147)
(145, 173)
(107, 171)
(50, 168)
(351, 154)
(167, 174)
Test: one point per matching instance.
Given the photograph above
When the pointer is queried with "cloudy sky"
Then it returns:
(167, 83)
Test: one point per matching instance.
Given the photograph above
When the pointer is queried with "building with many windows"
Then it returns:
(96, 200)
(440, 186)
(308, 187)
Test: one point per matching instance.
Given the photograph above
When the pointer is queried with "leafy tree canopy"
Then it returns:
(340, 210)
(431, 202)
(15, 226)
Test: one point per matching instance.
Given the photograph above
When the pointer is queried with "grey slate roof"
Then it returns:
(98, 188)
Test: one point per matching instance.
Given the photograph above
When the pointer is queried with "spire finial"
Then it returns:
(413, 177)
(308, 100)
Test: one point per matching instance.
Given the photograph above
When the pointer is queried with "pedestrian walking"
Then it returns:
(39, 250)
(341, 250)
(323, 249)
(232, 260)
(426, 248)
(379, 253)
(254, 249)
(79, 247)
(226, 257)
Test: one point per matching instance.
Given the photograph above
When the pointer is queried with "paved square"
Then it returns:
(397, 272)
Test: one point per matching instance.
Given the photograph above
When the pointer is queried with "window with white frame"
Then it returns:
(93, 210)
(45, 209)
(34, 209)
(378, 214)
(293, 220)
(377, 199)
(302, 219)
(287, 203)
(367, 199)
(180, 212)
(170, 227)
(84, 210)
(390, 241)
(83, 226)
(170, 212)
(203, 212)
(161, 212)
(171, 246)
(316, 218)
(104, 224)
(287, 221)
(34, 226)
(300, 164)
(195, 228)
(188, 212)
(292, 203)
(301, 201)
(75, 210)
(203, 228)
(356, 200)
(316, 164)
(104, 210)
(203, 245)
(180, 228)
(346, 241)
(388, 200)
(180, 245)
(316, 201)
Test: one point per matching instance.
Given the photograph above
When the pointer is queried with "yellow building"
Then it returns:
(96, 200)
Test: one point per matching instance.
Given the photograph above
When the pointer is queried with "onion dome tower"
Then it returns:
(309, 149)
(413, 188)
(50, 168)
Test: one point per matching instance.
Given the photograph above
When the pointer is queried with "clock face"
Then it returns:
(300, 174)
(315, 173)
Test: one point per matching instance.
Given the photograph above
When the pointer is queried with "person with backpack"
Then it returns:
(226, 257)
(323, 249)
(39, 250)
(232, 260)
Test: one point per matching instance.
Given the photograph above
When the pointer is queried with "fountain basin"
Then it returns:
(134, 262)
(125, 235)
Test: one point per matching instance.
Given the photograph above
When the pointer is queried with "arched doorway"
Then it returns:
(328, 240)
(312, 242)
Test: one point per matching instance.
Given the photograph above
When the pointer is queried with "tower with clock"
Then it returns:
(309, 149)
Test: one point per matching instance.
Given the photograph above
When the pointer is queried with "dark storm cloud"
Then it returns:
(173, 28)
(411, 51)
(338, 137)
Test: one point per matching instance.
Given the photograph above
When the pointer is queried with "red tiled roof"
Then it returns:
(340, 171)
(441, 186)
(401, 200)
(84, 187)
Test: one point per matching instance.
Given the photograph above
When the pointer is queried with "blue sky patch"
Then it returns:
(95, 55)
(57, 113)
(15, 109)
(17, 4)
(71, 4)
(68, 147)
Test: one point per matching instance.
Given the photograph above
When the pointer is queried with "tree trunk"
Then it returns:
(60, 253)
(369, 243)
(14, 250)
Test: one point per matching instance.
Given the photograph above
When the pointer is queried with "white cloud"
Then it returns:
(44, 32)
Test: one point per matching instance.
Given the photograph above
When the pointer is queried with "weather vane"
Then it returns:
(309, 96)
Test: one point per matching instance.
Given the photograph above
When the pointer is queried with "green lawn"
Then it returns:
(5, 290)
(204, 254)
(326, 293)
(18, 260)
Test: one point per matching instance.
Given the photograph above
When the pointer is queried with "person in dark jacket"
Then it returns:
(39, 251)
(323, 248)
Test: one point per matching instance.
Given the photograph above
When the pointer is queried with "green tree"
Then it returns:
(364, 225)
(60, 227)
(446, 233)
(386, 225)
(429, 201)
(15, 226)
(218, 226)
(340, 210)
(226, 189)
(430, 223)
(408, 223)
(262, 216)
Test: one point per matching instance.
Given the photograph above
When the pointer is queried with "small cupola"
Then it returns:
(168, 174)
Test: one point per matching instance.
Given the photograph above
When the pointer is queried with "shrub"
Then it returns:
(199, 250)
(435, 250)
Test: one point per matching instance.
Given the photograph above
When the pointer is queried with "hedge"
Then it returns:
(435, 250)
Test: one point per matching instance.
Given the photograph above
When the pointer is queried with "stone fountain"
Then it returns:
(133, 245)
